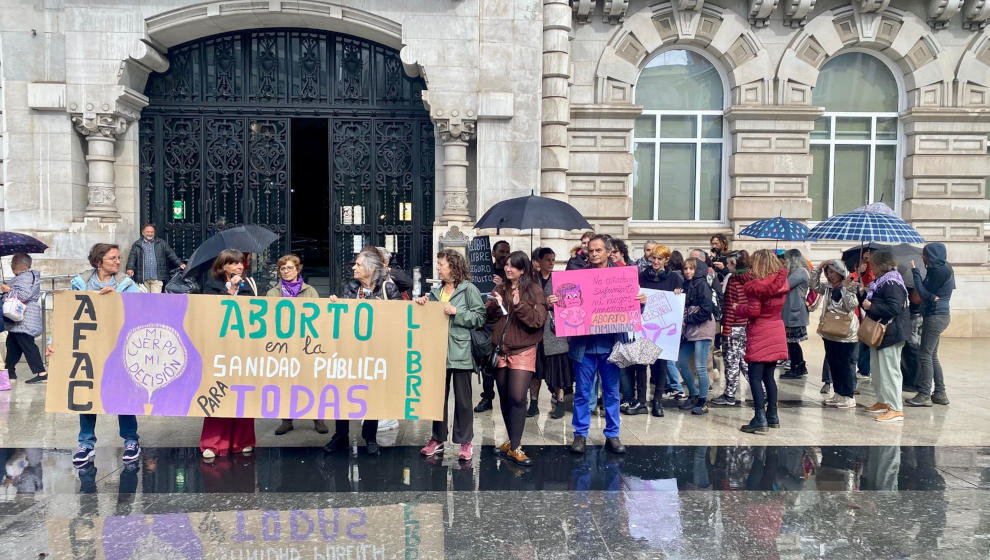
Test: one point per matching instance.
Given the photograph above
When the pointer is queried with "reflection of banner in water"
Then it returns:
(376, 532)
(663, 317)
(198, 355)
(654, 510)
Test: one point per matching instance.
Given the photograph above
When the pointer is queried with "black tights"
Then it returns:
(796, 355)
(513, 386)
(763, 385)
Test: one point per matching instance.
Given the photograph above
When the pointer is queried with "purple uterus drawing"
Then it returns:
(154, 361)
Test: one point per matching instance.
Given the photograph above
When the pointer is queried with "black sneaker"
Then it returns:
(534, 408)
(337, 443)
(483, 405)
(558, 410)
(83, 456)
(725, 401)
(688, 404)
(623, 407)
(36, 379)
(657, 409)
(919, 400)
(638, 408)
(940, 398)
(132, 450)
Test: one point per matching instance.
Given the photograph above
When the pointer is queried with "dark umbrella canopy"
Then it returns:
(776, 228)
(249, 239)
(11, 243)
(532, 212)
(903, 254)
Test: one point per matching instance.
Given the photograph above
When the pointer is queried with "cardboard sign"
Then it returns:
(663, 320)
(393, 531)
(241, 357)
(480, 261)
(596, 300)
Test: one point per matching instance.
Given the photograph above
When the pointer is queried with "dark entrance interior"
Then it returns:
(318, 136)
(310, 196)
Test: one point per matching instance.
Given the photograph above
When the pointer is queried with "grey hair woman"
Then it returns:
(795, 312)
(886, 303)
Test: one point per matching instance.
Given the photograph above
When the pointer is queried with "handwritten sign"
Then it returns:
(390, 531)
(480, 261)
(596, 300)
(239, 357)
(663, 318)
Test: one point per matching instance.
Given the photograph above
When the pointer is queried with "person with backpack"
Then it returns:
(466, 312)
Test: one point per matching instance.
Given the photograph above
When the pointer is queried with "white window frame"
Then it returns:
(873, 142)
(698, 142)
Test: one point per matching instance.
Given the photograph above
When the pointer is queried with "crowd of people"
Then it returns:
(750, 312)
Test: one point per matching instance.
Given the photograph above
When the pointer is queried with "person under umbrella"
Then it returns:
(290, 284)
(936, 293)
(886, 303)
(220, 436)
(25, 287)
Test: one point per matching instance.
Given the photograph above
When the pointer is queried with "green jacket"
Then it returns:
(470, 315)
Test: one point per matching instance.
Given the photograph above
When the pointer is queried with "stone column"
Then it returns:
(101, 131)
(455, 132)
(556, 106)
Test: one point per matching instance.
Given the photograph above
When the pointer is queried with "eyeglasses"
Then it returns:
(287, 268)
(111, 259)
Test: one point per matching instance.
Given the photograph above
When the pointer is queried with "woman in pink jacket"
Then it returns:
(766, 341)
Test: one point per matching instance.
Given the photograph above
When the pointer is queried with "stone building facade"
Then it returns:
(667, 120)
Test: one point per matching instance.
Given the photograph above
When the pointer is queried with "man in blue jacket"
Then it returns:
(936, 293)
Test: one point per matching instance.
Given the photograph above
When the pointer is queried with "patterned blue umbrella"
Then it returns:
(866, 224)
(11, 243)
(776, 228)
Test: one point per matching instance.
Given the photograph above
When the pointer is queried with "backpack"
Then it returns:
(718, 299)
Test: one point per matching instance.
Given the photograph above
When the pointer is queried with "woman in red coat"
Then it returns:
(766, 341)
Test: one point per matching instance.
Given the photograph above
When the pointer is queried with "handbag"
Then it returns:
(13, 309)
(871, 332)
(835, 324)
(181, 284)
(496, 349)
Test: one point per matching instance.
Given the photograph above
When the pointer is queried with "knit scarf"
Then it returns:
(291, 289)
(891, 277)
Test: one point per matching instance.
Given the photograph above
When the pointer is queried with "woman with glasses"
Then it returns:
(221, 436)
(290, 284)
(369, 281)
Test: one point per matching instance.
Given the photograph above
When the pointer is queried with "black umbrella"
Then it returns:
(532, 212)
(903, 254)
(249, 239)
(11, 242)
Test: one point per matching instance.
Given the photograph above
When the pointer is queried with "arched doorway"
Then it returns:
(319, 136)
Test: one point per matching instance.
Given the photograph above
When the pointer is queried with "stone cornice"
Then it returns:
(946, 114)
(941, 11)
(596, 110)
(774, 112)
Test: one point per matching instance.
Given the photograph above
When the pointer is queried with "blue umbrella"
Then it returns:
(866, 224)
(776, 228)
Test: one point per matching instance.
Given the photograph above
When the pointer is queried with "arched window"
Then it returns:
(854, 145)
(677, 169)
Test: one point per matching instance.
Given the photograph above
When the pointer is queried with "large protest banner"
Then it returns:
(398, 531)
(480, 261)
(596, 300)
(663, 320)
(240, 357)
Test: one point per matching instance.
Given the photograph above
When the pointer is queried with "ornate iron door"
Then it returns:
(215, 143)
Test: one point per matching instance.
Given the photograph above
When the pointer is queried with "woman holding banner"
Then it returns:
(370, 281)
(290, 284)
(518, 308)
(465, 311)
(220, 436)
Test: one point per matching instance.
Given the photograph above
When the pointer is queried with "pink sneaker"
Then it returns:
(433, 447)
(466, 451)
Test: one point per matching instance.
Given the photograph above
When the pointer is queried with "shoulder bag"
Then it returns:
(871, 332)
(835, 324)
(497, 348)
(13, 309)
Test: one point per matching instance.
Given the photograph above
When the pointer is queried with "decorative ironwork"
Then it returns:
(216, 137)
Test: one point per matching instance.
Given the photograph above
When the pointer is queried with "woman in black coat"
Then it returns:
(886, 303)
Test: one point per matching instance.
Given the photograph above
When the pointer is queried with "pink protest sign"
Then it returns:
(596, 300)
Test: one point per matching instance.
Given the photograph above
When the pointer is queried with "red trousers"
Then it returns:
(224, 435)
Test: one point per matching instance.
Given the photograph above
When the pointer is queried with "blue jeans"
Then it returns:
(585, 375)
(673, 377)
(695, 351)
(87, 429)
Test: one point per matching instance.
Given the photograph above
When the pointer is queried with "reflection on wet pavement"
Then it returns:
(654, 502)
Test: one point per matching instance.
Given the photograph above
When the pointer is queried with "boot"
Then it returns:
(773, 419)
(758, 425)
(284, 428)
(656, 408)
(558, 410)
(534, 408)
(320, 426)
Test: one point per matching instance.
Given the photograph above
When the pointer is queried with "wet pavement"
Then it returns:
(828, 484)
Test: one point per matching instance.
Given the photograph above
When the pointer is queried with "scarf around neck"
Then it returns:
(891, 277)
(291, 289)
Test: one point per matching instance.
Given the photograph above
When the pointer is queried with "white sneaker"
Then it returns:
(830, 401)
(209, 454)
(845, 402)
(247, 450)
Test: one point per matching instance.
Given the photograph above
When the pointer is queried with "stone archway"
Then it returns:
(973, 74)
(902, 37)
(724, 35)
